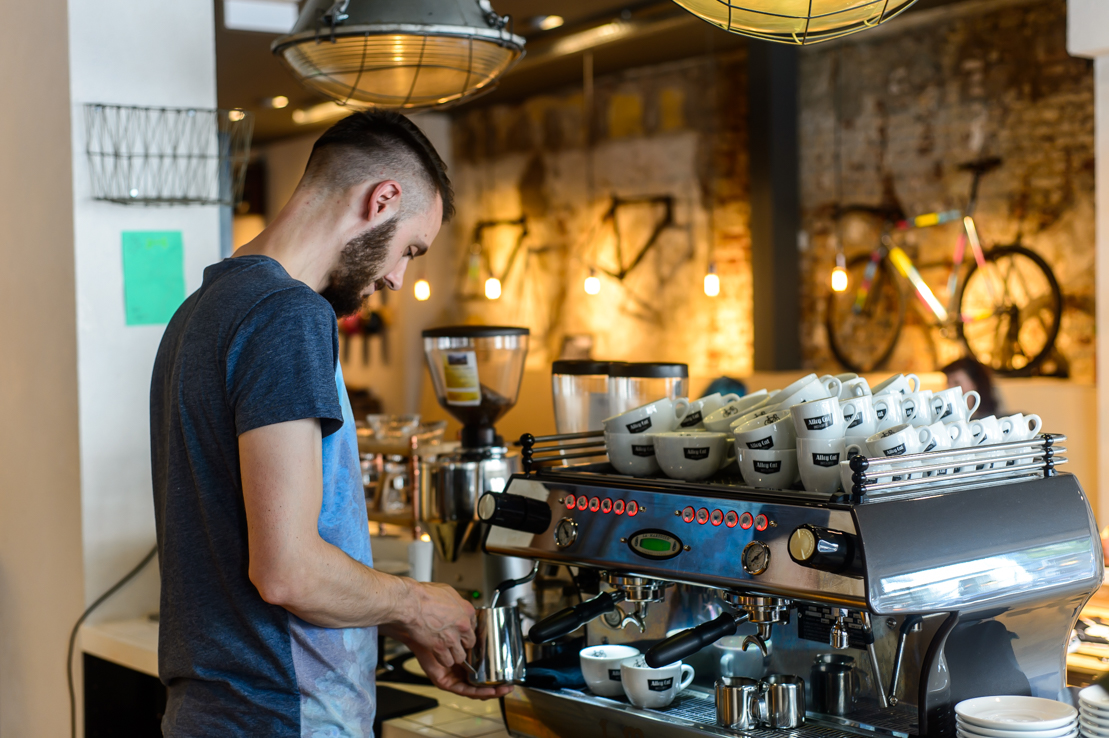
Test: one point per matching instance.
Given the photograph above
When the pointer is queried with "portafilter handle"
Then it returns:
(567, 621)
(688, 642)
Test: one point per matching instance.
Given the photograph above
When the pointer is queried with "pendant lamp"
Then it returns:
(402, 54)
(795, 21)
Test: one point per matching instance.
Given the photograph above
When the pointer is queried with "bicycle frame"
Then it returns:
(905, 266)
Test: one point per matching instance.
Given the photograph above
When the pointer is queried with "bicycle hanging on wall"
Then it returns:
(1005, 307)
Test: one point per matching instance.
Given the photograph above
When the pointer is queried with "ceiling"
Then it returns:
(248, 75)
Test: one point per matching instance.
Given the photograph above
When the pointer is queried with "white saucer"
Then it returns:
(1100, 720)
(1015, 714)
(980, 732)
(1087, 730)
(964, 731)
(1092, 727)
(1086, 708)
(1095, 696)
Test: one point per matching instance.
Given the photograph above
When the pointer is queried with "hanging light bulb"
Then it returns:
(422, 290)
(712, 282)
(839, 274)
(492, 288)
(592, 284)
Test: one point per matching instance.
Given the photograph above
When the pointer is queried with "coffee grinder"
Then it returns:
(476, 371)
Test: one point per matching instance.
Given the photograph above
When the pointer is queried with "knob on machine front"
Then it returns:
(821, 548)
(515, 512)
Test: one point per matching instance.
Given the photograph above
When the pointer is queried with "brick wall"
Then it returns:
(676, 131)
(915, 98)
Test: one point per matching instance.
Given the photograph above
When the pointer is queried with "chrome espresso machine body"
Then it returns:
(940, 588)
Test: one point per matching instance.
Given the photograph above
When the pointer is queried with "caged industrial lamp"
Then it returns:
(795, 21)
(403, 54)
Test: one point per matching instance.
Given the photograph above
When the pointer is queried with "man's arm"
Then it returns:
(293, 567)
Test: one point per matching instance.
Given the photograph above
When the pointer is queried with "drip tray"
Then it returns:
(570, 713)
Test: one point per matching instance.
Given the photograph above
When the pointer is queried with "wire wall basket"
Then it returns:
(167, 156)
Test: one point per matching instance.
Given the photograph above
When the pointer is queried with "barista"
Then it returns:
(270, 606)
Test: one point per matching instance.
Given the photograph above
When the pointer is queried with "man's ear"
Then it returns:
(382, 201)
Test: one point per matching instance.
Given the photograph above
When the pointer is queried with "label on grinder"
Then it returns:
(460, 376)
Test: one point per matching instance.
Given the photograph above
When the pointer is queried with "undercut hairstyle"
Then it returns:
(381, 144)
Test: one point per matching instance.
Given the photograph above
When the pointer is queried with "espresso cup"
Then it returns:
(941, 441)
(774, 430)
(917, 407)
(855, 387)
(773, 469)
(806, 389)
(900, 440)
(653, 688)
(834, 385)
(659, 416)
(818, 463)
(699, 409)
(720, 420)
(961, 437)
(1021, 427)
(859, 416)
(951, 404)
(692, 455)
(986, 431)
(887, 409)
(818, 419)
(632, 453)
(600, 665)
(898, 383)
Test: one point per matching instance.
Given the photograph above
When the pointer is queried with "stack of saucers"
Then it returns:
(1011, 716)
(1093, 712)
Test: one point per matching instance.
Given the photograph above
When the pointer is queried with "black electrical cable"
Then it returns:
(77, 626)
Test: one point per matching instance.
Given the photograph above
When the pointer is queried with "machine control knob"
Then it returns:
(821, 548)
(515, 512)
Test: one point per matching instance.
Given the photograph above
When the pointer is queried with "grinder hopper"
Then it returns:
(476, 371)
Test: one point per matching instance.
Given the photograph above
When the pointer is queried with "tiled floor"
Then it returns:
(456, 717)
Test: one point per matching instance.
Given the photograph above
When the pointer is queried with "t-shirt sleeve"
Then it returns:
(281, 363)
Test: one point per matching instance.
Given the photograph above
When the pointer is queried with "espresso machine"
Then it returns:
(476, 372)
(954, 582)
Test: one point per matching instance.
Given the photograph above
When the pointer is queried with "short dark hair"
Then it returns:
(982, 378)
(384, 139)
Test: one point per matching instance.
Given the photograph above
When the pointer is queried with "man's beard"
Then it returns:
(360, 265)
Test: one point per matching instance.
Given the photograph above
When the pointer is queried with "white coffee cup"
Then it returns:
(952, 404)
(699, 409)
(941, 441)
(859, 415)
(818, 419)
(856, 387)
(1021, 427)
(774, 430)
(887, 409)
(961, 437)
(806, 389)
(772, 469)
(692, 455)
(834, 385)
(720, 420)
(659, 416)
(917, 407)
(653, 688)
(900, 440)
(898, 383)
(600, 665)
(818, 463)
(632, 453)
(986, 431)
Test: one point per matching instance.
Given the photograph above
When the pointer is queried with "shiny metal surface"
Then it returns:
(737, 702)
(782, 704)
(449, 490)
(498, 654)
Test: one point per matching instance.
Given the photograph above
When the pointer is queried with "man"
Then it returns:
(270, 608)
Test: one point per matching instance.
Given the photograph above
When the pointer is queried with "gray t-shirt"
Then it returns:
(250, 348)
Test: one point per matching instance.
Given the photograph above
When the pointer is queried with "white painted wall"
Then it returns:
(1088, 35)
(399, 383)
(155, 53)
(40, 502)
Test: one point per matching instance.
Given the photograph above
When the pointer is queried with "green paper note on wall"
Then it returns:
(153, 276)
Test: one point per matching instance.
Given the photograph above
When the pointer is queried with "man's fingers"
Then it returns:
(468, 638)
(444, 656)
(458, 652)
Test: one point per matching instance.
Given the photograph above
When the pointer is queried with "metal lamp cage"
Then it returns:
(796, 22)
(167, 156)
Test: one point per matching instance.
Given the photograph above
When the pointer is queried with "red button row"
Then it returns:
(595, 504)
(745, 521)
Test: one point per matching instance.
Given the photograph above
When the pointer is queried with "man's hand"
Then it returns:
(440, 622)
(453, 679)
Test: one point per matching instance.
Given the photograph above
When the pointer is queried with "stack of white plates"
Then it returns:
(1010, 716)
(1093, 712)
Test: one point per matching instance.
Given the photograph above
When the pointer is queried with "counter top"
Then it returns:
(134, 644)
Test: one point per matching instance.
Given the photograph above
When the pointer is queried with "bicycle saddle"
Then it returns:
(890, 213)
(981, 166)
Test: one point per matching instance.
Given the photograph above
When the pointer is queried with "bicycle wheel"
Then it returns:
(1010, 310)
(863, 336)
